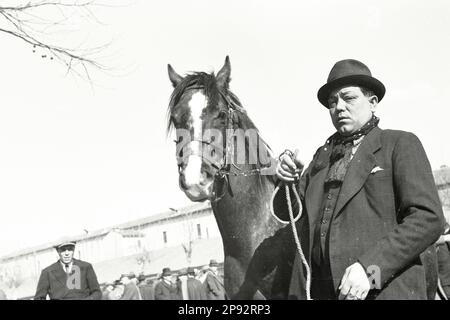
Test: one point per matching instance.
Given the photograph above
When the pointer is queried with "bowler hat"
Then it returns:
(213, 263)
(350, 72)
(166, 272)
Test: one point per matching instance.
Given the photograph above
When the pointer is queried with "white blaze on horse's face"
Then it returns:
(197, 185)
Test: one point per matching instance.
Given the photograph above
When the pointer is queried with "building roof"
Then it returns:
(121, 228)
(442, 177)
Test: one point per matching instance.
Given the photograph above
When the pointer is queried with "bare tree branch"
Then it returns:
(33, 22)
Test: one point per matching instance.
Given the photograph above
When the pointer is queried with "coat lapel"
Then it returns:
(59, 273)
(360, 167)
(315, 189)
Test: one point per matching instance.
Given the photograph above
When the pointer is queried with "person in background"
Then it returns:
(214, 283)
(182, 285)
(146, 287)
(107, 289)
(201, 275)
(195, 289)
(165, 289)
(117, 292)
(68, 278)
(443, 255)
(131, 291)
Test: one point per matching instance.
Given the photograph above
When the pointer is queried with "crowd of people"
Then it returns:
(186, 284)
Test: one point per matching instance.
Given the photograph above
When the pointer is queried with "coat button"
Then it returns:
(323, 234)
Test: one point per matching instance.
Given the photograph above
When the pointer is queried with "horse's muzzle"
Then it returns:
(196, 192)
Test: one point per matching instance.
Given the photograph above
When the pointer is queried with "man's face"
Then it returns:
(350, 109)
(66, 254)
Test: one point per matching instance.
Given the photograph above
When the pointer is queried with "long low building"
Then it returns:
(176, 238)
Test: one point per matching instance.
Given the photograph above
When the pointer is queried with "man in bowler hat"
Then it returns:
(166, 289)
(68, 278)
(371, 211)
(213, 284)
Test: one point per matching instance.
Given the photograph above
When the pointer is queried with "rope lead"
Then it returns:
(294, 229)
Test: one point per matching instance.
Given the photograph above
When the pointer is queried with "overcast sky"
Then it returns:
(74, 158)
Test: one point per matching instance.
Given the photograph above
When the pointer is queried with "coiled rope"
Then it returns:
(294, 229)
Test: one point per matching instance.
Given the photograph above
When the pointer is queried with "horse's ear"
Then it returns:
(174, 77)
(223, 76)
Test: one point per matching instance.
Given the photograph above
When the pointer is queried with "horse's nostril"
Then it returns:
(182, 183)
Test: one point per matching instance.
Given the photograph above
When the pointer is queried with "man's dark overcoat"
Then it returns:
(387, 216)
(54, 282)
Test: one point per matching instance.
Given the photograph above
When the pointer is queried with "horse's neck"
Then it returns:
(243, 214)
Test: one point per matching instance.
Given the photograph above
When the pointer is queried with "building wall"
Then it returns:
(112, 245)
(179, 231)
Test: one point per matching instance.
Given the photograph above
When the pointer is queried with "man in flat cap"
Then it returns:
(68, 278)
(371, 211)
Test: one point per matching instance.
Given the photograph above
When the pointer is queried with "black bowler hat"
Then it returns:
(350, 72)
(166, 272)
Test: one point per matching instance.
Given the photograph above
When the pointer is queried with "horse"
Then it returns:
(215, 147)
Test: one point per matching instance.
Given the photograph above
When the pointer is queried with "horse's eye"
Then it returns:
(222, 115)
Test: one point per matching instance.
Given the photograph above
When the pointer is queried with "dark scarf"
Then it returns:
(342, 150)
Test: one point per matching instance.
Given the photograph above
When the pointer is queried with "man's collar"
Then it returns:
(66, 264)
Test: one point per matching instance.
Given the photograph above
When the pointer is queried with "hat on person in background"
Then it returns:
(141, 278)
(65, 243)
(190, 271)
(166, 272)
(213, 263)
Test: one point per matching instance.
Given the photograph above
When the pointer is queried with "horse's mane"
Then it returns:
(208, 82)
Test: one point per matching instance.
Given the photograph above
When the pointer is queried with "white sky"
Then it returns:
(72, 158)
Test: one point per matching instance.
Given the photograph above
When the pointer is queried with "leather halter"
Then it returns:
(223, 170)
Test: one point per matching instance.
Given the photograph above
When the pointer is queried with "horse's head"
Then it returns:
(201, 109)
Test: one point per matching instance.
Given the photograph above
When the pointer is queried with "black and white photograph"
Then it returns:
(196, 150)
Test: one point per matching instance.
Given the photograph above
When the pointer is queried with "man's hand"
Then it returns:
(289, 168)
(355, 284)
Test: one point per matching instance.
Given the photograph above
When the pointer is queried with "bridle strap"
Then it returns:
(223, 171)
